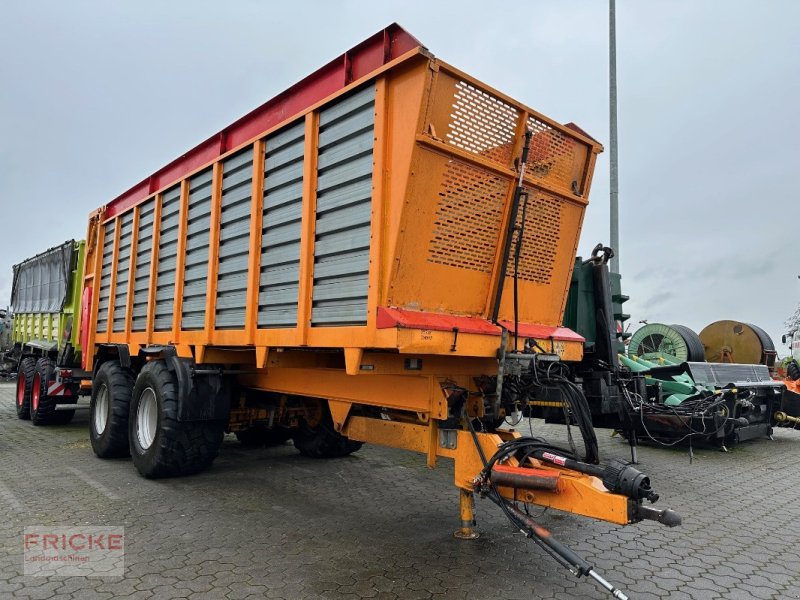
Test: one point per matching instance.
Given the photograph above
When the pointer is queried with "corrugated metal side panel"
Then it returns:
(167, 256)
(234, 240)
(195, 272)
(344, 198)
(280, 240)
(123, 264)
(144, 251)
(105, 276)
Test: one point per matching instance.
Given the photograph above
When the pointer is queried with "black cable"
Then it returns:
(517, 253)
(691, 409)
(577, 566)
(555, 375)
(561, 553)
(509, 230)
(474, 435)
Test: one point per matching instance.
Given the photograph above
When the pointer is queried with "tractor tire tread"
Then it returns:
(793, 370)
(27, 368)
(323, 442)
(260, 437)
(181, 447)
(45, 413)
(113, 443)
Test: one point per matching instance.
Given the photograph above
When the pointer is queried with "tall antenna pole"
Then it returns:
(612, 97)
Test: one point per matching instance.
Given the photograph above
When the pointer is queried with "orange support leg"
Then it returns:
(467, 506)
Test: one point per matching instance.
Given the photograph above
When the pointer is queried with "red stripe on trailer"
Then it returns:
(86, 315)
(411, 319)
(544, 332)
(369, 55)
(58, 389)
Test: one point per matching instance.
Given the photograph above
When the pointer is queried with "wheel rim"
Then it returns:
(147, 418)
(36, 389)
(101, 405)
(20, 389)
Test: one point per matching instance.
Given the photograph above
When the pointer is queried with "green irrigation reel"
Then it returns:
(657, 341)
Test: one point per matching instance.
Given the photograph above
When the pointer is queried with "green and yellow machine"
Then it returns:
(46, 300)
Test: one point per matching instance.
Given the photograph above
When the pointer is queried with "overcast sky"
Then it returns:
(96, 95)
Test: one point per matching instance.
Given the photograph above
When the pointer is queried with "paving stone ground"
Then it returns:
(269, 523)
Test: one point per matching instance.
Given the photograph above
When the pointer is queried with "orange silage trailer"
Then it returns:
(326, 269)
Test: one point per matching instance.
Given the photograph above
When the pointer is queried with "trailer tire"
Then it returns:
(43, 407)
(27, 369)
(109, 409)
(258, 437)
(323, 441)
(793, 370)
(160, 445)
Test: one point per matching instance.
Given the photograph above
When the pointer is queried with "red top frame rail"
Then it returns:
(368, 56)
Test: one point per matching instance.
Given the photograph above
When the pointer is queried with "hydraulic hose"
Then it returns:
(512, 223)
(551, 374)
(564, 555)
(575, 563)
(619, 477)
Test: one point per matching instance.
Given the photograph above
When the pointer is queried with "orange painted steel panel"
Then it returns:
(464, 160)
(379, 152)
(213, 250)
(401, 392)
(307, 227)
(95, 238)
(183, 219)
(132, 269)
(112, 292)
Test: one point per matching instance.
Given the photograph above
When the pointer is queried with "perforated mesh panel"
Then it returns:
(551, 155)
(482, 124)
(542, 236)
(468, 216)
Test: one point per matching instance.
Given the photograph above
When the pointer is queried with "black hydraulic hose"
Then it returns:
(583, 415)
(562, 554)
(548, 373)
(517, 254)
(567, 462)
(567, 556)
(619, 477)
(532, 529)
(472, 431)
(512, 223)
